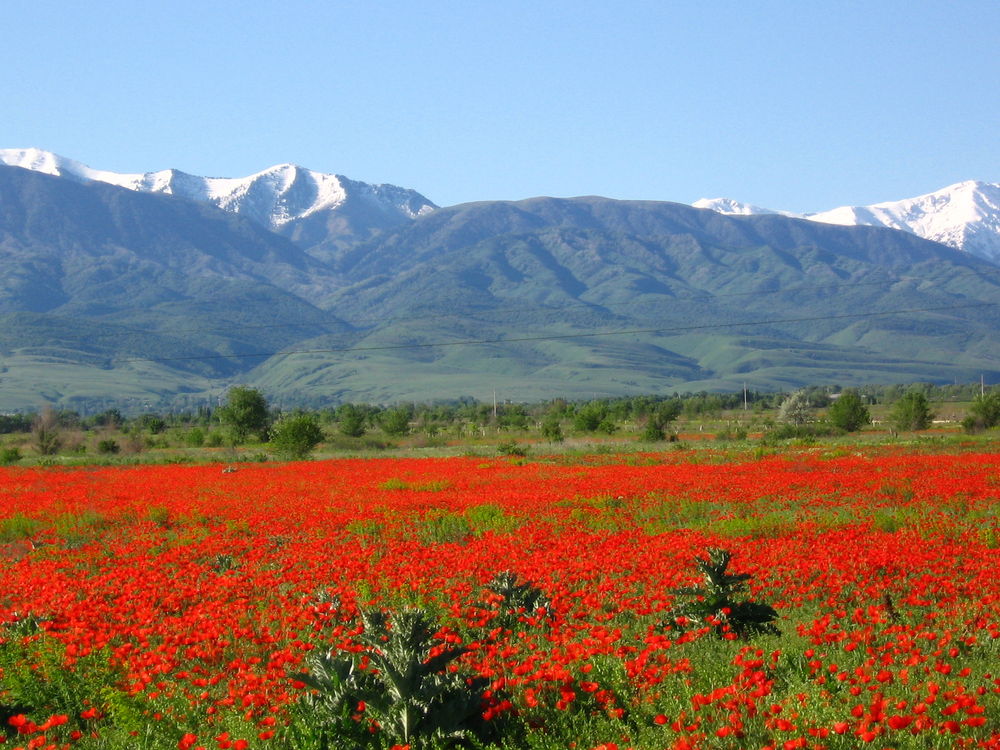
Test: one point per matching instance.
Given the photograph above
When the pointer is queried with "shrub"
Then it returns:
(552, 429)
(46, 433)
(10, 455)
(912, 412)
(296, 436)
(511, 448)
(108, 446)
(984, 413)
(848, 413)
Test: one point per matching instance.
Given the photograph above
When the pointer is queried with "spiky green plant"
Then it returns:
(406, 686)
(516, 600)
(720, 603)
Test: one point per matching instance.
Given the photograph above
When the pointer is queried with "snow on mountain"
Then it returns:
(734, 207)
(965, 216)
(273, 197)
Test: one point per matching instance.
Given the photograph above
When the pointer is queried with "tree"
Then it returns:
(295, 436)
(45, 430)
(660, 418)
(911, 412)
(552, 428)
(395, 422)
(245, 413)
(848, 412)
(795, 409)
(984, 412)
(350, 421)
(590, 416)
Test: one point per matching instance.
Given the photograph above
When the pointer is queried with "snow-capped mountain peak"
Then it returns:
(965, 216)
(733, 207)
(273, 196)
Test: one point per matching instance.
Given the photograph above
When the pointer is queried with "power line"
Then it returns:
(557, 337)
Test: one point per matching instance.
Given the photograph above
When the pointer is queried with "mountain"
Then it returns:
(964, 216)
(111, 296)
(320, 211)
(95, 276)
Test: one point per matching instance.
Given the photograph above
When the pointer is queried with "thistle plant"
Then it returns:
(720, 603)
(402, 683)
(513, 600)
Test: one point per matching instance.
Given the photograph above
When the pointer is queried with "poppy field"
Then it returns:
(562, 602)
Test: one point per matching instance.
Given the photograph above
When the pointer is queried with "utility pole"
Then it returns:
(982, 384)
(494, 403)
(744, 395)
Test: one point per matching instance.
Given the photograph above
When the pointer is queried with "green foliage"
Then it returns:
(395, 422)
(848, 413)
(443, 527)
(512, 602)
(489, 517)
(10, 454)
(984, 412)
(45, 432)
(719, 602)
(19, 526)
(409, 688)
(296, 436)
(660, 418)
(912, 412)
(195, 437)
(552, 428)
(511, 448)
(245, 414)
(589, 416)
(350, 421)
(108, 446)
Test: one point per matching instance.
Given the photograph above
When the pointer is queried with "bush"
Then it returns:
(10, 455)
(350, 421)
(848, 413)
(912, 412)
(552, 428)
(195, 437)
(108, 446)
(984, 413)
(511, 448)
(395, 422)
(296, 436)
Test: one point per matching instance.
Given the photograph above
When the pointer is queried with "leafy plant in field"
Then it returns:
(401, 682)
(720, 602)
(512, 600)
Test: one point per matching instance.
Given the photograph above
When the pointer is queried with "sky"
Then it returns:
(801, 106)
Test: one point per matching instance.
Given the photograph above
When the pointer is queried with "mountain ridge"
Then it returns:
(965, 216)
(109, 293)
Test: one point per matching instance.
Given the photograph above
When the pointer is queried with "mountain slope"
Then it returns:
(107, 292)
(965, 216)
(314, 208)
(109, 275)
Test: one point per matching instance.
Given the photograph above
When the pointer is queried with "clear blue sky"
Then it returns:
(797, 105)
